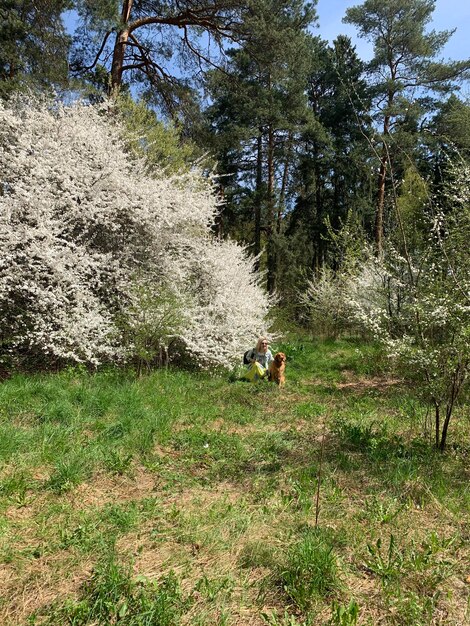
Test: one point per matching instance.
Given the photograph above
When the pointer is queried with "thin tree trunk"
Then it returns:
(120, 48)
(285, 177)
(258, 193)
(271, 253)
(445, 427)
(219, 219)
(320, 244)
(437, 425)
(458, 380)
(379, 214)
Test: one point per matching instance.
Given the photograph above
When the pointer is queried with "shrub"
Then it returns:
(104, 261)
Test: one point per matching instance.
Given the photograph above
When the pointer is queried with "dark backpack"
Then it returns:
(247, 356)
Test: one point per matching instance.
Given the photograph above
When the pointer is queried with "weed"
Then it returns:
(120, 517)
(410, 609)
(382, 509)
(257, 554)
(67, 474)
(412, 566)
(274, 619)
(112, 595)
(117, 462)
(302, 488)
(311, 570)
(344, 615)
(386, 563)
(212, 588)
(15, 486)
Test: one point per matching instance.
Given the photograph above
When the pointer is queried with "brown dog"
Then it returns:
(277, 368)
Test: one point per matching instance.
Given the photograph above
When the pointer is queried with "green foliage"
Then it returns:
(67, 473)
(412, 200)
(156, 316)
(117, 462)
(452, 125)
(103, 15)
(161, 145)
(257, 554)
(34, 45)
(344, 615)
(324, 301)
(404, 60)
(274, 619)
(432, 313)
(259, 109)
(113, 595)
(333, 159)
(411, 574)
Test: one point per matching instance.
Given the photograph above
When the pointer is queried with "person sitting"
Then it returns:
(258, 359)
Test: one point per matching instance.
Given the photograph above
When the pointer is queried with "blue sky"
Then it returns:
(448, 14)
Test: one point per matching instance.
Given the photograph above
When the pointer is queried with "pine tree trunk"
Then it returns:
(258, 193)
(120, 48)
(271, 253)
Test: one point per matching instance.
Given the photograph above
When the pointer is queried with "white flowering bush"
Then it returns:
(101, 260)
(327, 303)
(228, 306)
(415, 300)
(421, 311)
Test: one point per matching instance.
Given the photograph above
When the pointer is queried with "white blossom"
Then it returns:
(82, 225)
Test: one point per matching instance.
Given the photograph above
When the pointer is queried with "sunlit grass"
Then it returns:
(192, 498)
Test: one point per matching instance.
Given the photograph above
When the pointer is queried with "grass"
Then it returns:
(191, 498)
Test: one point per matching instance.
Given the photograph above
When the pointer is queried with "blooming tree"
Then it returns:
(96, 252)
(416, 300)
(433, 341)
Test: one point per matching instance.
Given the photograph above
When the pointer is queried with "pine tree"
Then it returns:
(155, 44)
(403, 65)
(259, 111)
(333, 176)
(34, 44)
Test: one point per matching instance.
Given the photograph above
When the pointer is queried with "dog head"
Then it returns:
(279, 358)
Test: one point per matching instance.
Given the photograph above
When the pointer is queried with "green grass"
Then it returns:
(191, 498)
(311, 570)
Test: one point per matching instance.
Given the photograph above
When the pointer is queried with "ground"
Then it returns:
(192, 499)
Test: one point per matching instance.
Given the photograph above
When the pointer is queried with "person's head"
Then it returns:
(262, 345)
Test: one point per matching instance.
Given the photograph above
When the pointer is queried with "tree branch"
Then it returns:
(90, 67)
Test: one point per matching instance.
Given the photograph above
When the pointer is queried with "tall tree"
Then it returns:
(402, 70)
(451, 125)
(34, 44)
(332, 179)
(144, 40)
(260, 103)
